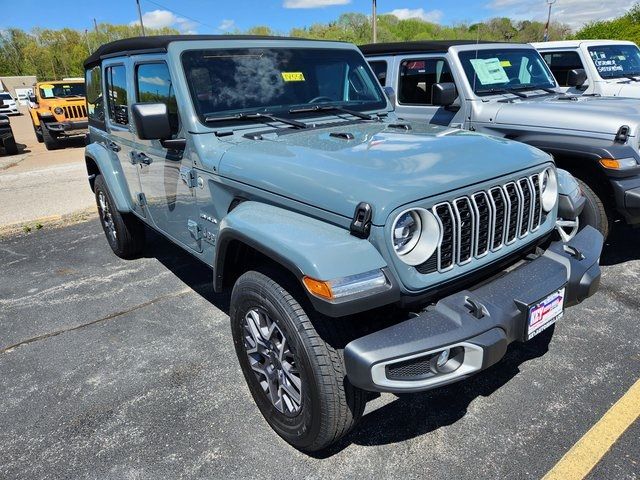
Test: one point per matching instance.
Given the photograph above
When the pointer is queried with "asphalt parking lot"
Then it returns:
(125, 369)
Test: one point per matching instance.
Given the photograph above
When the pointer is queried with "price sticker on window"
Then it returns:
(293, 76)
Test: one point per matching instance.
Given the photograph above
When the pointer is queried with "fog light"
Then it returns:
(448, 360)
(442, 358)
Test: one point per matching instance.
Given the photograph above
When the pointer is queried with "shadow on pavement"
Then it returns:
(190, 270)
(622, 245)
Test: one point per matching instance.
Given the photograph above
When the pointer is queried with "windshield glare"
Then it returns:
(490, 71)
(275, 80)
(62, 90)
(616, 61)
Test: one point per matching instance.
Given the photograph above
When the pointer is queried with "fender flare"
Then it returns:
(111, 173)
(305, 246)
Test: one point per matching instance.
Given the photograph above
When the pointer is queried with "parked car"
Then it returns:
(8, 104)
(363, 253)
(7, 141)
(58, 111)
(609, 68)
(507, 90)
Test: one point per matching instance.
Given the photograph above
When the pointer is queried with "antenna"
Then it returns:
(140, 16)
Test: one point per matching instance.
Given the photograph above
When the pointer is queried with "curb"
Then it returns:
(54, 221)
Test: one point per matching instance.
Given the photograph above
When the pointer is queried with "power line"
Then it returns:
(181, 15)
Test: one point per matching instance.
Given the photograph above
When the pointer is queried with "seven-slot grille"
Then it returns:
(474, 225)
(75, 111)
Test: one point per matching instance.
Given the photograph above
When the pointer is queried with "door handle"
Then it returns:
(113, 146)
(139, 157)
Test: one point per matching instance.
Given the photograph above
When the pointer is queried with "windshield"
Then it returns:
(276, 80)
(494, 70)
(616, 61)
(5, 96)
(53, 90)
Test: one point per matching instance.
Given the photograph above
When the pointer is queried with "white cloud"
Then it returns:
(227, 25)
(433, 16)
(165, 18)
(161, 82)
(313, 3)
(574, 13)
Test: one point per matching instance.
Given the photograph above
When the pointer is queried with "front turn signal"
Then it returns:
(319, 288)
(618, 164)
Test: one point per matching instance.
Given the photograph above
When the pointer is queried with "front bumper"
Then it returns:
(68, 128)
(502, 305)
(627, 196)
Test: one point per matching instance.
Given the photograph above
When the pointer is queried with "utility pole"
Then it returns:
(374, 21)
(140, 15)
(546, 27)
(95, 26)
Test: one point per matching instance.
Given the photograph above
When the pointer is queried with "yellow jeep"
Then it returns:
(58, 109)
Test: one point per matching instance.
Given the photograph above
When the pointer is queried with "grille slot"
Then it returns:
(75, 111)
(476, 225)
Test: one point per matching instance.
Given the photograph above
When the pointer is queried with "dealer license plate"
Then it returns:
(545, 313)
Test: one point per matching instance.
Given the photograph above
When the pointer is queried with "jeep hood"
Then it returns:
(591, 114)
(383, 166)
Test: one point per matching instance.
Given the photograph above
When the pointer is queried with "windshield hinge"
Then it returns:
(361, 223)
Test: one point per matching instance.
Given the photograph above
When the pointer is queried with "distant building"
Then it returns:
(19, 87)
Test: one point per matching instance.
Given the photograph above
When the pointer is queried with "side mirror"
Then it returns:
(443, 94)
(151, 121)
(577, 77)
(391, 95)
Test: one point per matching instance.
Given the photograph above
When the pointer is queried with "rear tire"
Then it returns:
(594, 213)
(329, 406)
(51, 142)
(125, 232)
(10, 147)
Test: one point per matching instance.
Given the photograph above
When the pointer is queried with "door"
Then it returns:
(166, 175)
(120, 138)
(414, 90)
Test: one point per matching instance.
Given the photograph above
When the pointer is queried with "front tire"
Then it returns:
(296, 376)
(594, 213)
(10, 147)
(124, 232)
(38, 132)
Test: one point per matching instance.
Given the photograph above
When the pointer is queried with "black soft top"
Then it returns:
(425, 46)
(159, 43)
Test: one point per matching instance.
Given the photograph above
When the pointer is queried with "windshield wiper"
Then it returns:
(261, 117)
(331, 108)
(631, 76)
(503, 90)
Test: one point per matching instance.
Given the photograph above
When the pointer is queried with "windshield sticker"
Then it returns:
(489, 70)
(46, 86)
(505, 63)
(293, 77)
(608, 66)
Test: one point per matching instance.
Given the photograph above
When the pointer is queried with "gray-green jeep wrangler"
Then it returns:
(365, 254)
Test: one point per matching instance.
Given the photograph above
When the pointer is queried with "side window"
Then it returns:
(153, 85)
(379, 68)
(117, 103)
(417, 78)
(561, 63)
(95, 102)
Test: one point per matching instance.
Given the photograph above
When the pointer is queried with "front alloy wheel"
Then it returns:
(273, 362)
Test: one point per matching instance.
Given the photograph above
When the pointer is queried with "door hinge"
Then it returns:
(142, 200)
(195, 229)
(189, 177)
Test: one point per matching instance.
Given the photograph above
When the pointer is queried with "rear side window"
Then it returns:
(561, 63)
(153, 85)
(417, 78)
(117, 103)
(379, 67)
(95, 102)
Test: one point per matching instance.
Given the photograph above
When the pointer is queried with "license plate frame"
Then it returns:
(544, 313)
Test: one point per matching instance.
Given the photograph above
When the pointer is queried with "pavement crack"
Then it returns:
(111, 316)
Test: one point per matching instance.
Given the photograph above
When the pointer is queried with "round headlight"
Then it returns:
(415, 234)
(549, 189)
(58, 111)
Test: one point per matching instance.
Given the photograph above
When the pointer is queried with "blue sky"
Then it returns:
(219, 16)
